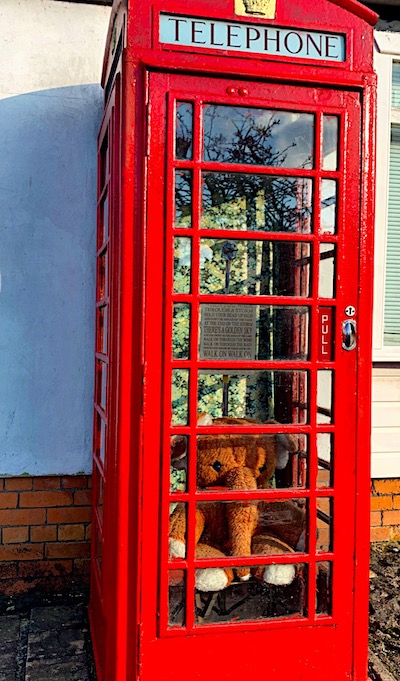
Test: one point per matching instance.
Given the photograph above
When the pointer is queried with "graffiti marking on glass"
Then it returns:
(228, 332)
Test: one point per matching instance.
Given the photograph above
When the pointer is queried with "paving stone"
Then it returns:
(56, 645)
(56, 633)
(9, 637)
(59, 617)
(74, 669)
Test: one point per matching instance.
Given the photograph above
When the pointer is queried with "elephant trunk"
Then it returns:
(242, 516)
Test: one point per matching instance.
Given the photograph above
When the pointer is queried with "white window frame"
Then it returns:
(387, 50)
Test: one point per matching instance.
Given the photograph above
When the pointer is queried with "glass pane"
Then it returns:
(327, 263)
(182, 264)
(325, 459)
(256, 600)
(184, 130)
(235, 134)
(244, 267)
(100, 495)
(324, 396)
(101, 384)
(287, 520)
(177, 530)
(102, 316)
(105, 162)
(103, 275)
(178, 471)
(98, 544)
(262, 395)
(181, 331)
(328, 206)
(230, 523)
(183, 199)
(249, 332)
(256, 203)
(102, 449)
(295, 473)
(324, 588)
(103, 227)
(330, 142)
(221, 458)
(282, 594)
(324, 524)
(176, 598)
(179, 397)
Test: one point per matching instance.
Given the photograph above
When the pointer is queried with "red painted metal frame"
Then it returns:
(124, 650)
(187, 94)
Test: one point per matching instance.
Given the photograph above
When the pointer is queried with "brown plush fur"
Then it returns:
(241, 528)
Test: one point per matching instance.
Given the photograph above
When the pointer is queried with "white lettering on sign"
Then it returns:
(251, 38)
(325, 352)
(228, 332)
(325, 335)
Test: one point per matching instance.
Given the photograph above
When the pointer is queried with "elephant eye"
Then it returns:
(262, 469)
(217, 465)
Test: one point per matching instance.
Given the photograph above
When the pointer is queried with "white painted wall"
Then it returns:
(385, 380)
(385, 422)
(50, 109)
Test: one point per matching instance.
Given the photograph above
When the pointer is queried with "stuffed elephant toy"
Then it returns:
(240, 528)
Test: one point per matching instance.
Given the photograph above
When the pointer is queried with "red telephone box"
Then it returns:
(231, 421)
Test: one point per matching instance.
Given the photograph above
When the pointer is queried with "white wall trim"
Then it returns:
(387, 465)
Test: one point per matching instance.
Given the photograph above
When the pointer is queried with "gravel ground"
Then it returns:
(384, 609)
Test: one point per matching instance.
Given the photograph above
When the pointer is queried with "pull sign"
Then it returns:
(325, 353)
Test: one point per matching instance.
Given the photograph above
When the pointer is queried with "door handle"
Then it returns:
(349, 334)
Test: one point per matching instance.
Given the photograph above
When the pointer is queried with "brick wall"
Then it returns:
(44, 533)
(385, 510)
(45, 530)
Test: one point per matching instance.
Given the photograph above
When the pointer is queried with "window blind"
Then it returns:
(392, 285)
(396, 85)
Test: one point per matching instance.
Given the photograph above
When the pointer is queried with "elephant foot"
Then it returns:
(211, 579)
(243, 574)
(177, 548)
(279, 575)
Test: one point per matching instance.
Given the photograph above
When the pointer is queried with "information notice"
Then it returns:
(228, 332)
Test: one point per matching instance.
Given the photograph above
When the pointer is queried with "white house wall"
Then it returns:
(50, 108)
(386, 423)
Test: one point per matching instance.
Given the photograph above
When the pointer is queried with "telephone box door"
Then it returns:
(251, 342)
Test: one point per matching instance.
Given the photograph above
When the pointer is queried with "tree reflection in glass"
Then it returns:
(258, 136)
(265, 203)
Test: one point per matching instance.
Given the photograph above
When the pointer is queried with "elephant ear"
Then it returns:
(204, 420)
(287, 444)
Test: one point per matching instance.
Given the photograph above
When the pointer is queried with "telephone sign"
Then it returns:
(257, 39)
